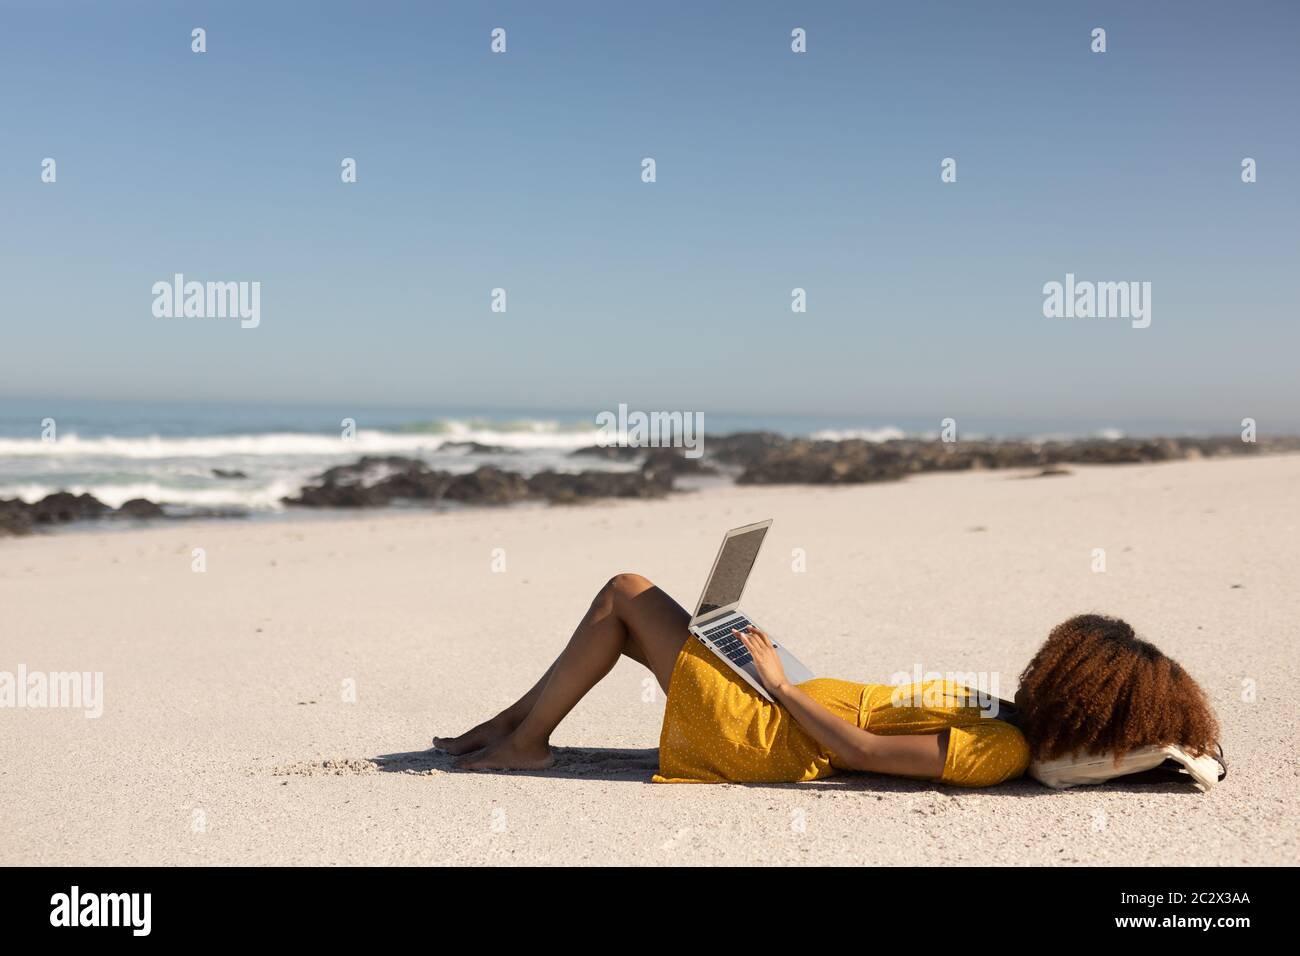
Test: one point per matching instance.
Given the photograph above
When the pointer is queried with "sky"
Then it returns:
(775, 171)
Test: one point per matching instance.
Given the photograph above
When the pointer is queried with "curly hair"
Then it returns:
(1094, 687)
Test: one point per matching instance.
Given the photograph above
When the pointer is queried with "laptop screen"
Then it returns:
(734, 564)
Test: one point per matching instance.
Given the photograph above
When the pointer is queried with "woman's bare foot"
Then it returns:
(485, 734)
(509, 753)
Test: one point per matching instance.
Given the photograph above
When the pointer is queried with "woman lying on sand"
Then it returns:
(1093, 687)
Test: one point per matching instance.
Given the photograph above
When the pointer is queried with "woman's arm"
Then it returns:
(908, 756)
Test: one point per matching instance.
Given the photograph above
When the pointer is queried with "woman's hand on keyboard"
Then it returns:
(766, 660)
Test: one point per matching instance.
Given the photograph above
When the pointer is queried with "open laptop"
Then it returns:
(719, 608)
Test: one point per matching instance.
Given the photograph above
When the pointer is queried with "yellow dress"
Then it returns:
(717, 729)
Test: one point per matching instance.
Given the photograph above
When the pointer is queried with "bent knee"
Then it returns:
(627, 584)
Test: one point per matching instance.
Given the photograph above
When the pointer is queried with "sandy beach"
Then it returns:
(229, 734)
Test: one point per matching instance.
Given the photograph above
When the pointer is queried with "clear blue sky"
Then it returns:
(774, 171)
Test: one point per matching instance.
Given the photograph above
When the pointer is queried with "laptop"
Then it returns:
(719, 608)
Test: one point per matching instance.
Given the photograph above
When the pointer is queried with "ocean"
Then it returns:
(189, 456)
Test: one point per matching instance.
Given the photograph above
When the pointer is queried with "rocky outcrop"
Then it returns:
(370, 466)
(345, 486)
(332, 494)
(64, 506)
(744, 448)
(566, 488)
(140, 508)
(609, 452)
(772, 459)
(15, 517)
(19, 517)
(414, 484)
(752, 457)
(487, 486)
(372, 482)
(670, 463)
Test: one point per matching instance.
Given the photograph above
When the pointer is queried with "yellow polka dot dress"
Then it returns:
(717, 729)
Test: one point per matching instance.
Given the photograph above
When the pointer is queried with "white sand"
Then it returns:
(223, 698)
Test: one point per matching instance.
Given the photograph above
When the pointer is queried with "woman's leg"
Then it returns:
(494, 728)
(628, 616)
(608, 601)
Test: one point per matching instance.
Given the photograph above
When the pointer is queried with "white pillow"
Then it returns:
(1065, 772)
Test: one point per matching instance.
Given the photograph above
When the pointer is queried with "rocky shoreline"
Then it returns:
(751, 458)
(17, 517)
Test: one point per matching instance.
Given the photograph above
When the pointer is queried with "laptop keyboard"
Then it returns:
(728, 643)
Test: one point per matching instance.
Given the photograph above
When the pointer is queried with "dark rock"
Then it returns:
(477, 448)
(609, 452)
(369, 465)
(825, 462)
(1124, 451)
(65, 506)
(760, 457)
(770, 459)
(487, 486)
(744, 448)
(416, 484)
(140, 508)
(344, 486)
(670, 462)
(228, 473)
(213, 513)
(15, 517)
(566, 488)
(855, 460)
(332, 494)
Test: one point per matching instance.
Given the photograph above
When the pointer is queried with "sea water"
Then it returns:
(187, 454)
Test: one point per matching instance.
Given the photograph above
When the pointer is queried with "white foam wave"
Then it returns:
(281, 444)
(887, 433)
(1100, 434)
